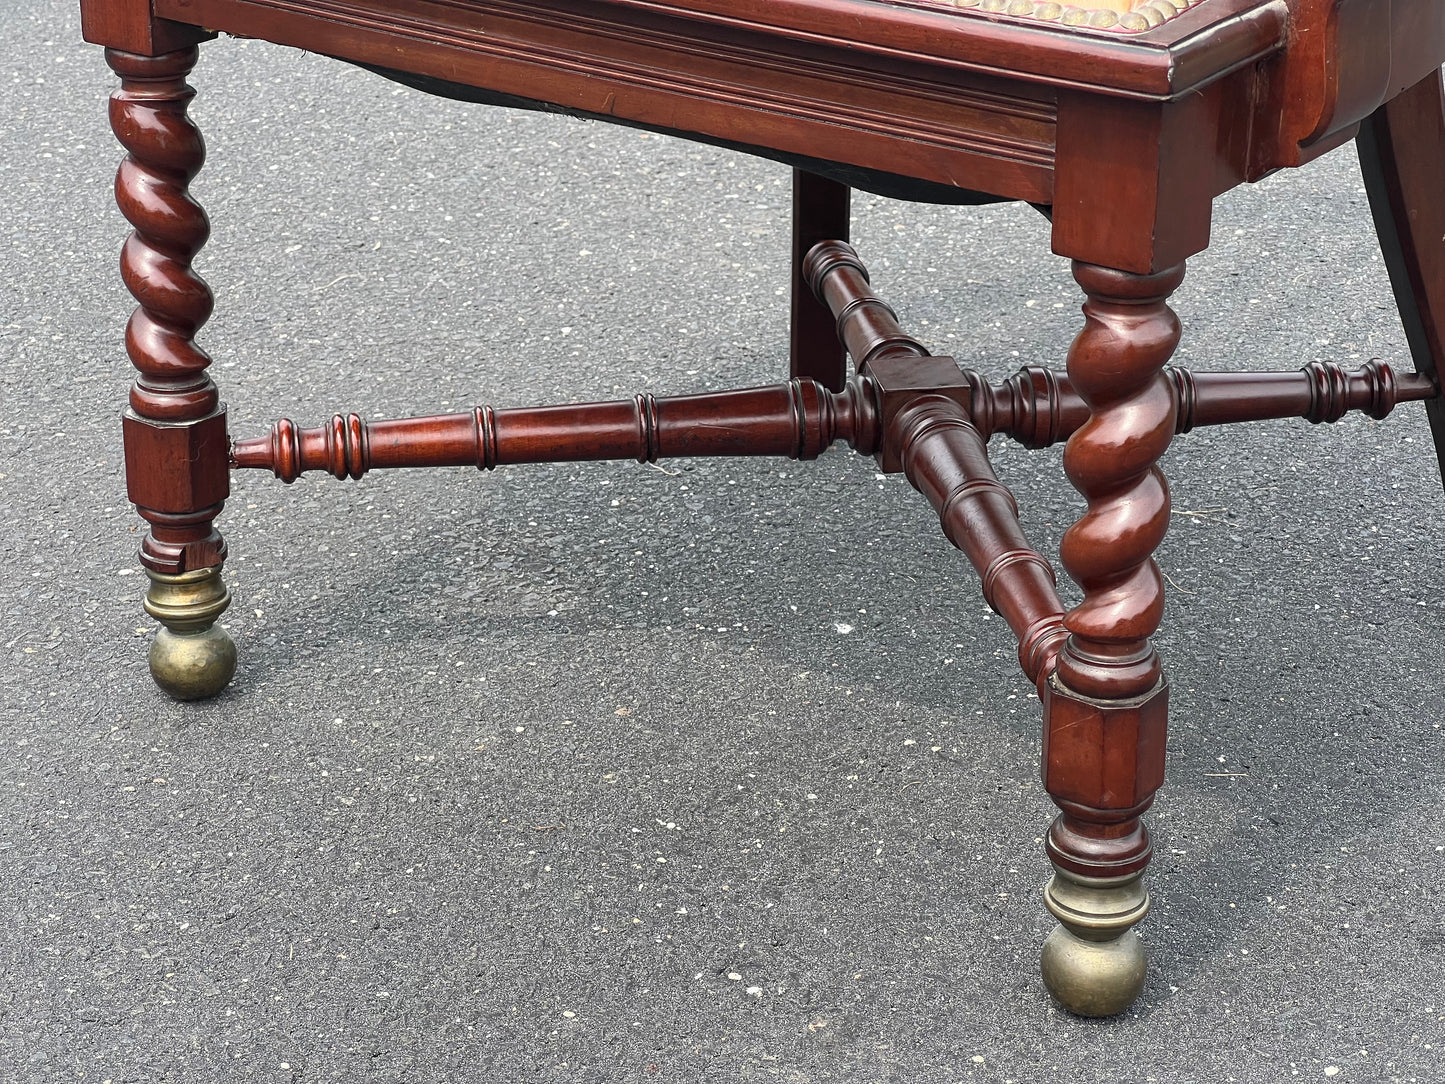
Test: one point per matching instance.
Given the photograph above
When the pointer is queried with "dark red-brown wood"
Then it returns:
(1036, 407)
(129, 25)
(1105, 707)
(175, 429)
(1402, 157)
(866, 324)
(946, 459)
(1116, 365)
(820, 213)
(799, 419)
(1125, 139)
(1040, 407)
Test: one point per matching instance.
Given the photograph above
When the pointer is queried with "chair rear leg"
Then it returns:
(820, 213)
(1402, 157)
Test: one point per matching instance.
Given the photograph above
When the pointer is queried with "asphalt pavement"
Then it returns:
(717, 770)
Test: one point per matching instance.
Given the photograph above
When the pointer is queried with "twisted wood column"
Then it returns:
(1106, 704)
(175, 428)
(1116, 366)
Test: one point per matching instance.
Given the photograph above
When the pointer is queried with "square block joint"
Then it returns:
(177, 468)
(899, 379)
(1104, 754)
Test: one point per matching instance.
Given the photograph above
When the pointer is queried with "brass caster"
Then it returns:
(190, 657)
(1093, 978)
(1094, 962)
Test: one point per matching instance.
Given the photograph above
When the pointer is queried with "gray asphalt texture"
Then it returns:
(721, 771)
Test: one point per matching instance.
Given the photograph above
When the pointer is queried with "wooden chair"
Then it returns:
(1121, 120)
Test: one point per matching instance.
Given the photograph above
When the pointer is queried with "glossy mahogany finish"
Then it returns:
(946, 458)
(1402, 157)
(1123, 138)
(798, 420)
(1116, 365)
(820, 213)
(175, 429)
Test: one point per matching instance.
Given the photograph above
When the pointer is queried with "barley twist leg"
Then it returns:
(1106, 704)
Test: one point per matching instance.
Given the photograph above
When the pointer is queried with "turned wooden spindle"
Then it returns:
(866, 324)
(1039, 407)
(175, 429)
(946, 459)
(799, 419)
(1323, 391)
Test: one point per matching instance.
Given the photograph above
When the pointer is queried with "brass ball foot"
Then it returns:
(193, 665)
(1094, 978)
(1094, 962)
(190, 657)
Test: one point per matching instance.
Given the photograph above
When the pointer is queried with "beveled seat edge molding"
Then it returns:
(820, 103)
(1169, 60)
